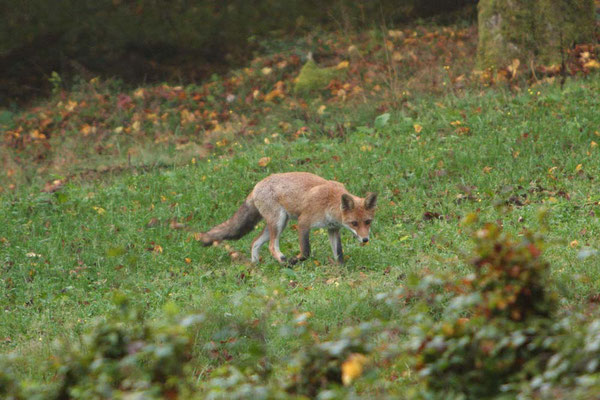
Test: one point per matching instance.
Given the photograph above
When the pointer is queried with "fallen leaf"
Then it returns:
(353, 367)
(99, 210)
(342, 65)
(53, 186)
(264, 161)
(418, 128)
(176, 225)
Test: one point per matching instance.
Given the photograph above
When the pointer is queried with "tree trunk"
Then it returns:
(531, 30)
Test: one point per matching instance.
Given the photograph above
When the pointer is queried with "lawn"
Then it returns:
(503, 155)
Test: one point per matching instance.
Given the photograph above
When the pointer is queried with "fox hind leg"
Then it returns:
(275, 228)
(258, 243)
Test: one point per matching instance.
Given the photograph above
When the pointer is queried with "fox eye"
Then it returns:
(354, 223)
(368, 222)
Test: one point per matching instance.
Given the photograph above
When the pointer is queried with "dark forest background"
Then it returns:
(173, 40)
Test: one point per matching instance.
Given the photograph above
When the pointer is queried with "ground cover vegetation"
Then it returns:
(480, 280)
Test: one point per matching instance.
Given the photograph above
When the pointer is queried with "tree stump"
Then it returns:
(531, 30)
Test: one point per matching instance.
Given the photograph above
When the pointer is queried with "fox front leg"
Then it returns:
(303, 236)
(336, 245)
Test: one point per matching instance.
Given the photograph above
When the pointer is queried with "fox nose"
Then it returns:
(365, 240)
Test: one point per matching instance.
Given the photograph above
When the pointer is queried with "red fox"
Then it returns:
(314, 201)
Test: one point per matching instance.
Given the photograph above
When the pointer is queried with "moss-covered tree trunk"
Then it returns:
(537, 30)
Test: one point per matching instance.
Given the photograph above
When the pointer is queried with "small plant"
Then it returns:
(56, 82)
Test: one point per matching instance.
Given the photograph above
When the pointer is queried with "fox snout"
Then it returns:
(362, 237)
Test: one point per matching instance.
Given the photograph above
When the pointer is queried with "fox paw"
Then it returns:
(296, 260)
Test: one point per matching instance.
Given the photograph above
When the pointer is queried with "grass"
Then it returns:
(496, 153)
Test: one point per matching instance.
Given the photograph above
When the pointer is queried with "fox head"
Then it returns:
(357, 215)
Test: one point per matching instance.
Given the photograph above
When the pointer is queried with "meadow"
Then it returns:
(506, 155)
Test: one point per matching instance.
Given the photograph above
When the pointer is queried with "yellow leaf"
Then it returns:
(593, 144)
(585, 55)
(188, 260)
(99, 210)
(139, 93)
(157, 248)
(321, 109)
(486, 170)
(593, 64)
(574, 243)
(578, 168)
(396, 34)
(405, 237)
(264, 161)
(136, 126)
(37, 135)
(342, 65)
(418, 128)
(353, 367)
(266, 70)
(274, 93)
(71, 105)
(455, 123)
(86, 129)
(514, 67)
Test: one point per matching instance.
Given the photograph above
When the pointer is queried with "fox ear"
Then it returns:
(371, 201)
(347, 202)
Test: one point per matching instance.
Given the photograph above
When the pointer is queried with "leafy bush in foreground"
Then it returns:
(505, 336)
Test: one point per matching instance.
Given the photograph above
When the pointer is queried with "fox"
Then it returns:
(313, 201)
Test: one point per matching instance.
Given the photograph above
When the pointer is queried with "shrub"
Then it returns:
(506, 334)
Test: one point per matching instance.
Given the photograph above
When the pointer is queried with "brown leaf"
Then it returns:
(53, 186)
(264, 161)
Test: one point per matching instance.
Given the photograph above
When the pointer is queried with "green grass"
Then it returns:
(63, 254)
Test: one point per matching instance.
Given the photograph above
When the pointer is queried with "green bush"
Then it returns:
(505, 334)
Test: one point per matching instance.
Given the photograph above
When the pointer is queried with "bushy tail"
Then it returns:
(242, 222)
